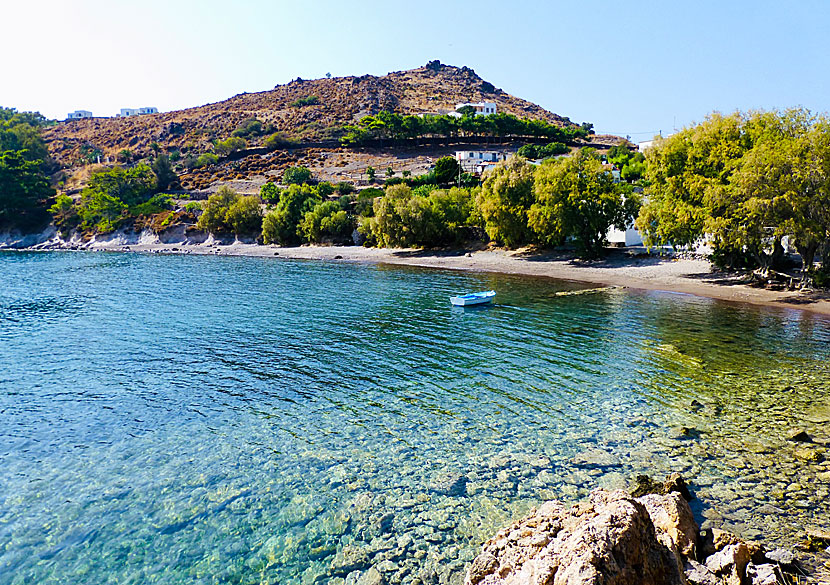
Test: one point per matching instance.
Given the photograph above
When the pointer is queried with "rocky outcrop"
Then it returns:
(619, 539)
(610, 540)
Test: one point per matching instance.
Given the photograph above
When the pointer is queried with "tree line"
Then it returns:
(743, 182)
(389, 125)
(572, 199)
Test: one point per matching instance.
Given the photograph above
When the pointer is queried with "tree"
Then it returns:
(326, 220)
(270, 193)
(280, 225)
(244, 216)
(504, 200)
(166, 177)
(370, 173)
(296, 175)
(446, 170)
(131, 186)
(686, 172)
(214, 218)
(24, 191)
(577, 198)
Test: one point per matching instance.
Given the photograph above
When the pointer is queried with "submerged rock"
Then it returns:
(799, 437)
(644, 484)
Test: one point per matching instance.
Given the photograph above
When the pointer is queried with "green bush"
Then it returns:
(446, 170)
(193, 207)
(205, 160)
(404, 218)
(248, 127)
(296, 176)
(364, 203)
(156, 204)
(326, 220)
(325, 189)
(311, 100)
(229, 146)
(345, 188)
(279, 140)
(270, 193)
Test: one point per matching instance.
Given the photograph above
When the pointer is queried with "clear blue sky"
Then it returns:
(628, 67)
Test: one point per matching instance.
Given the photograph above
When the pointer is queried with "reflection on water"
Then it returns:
(187, 420)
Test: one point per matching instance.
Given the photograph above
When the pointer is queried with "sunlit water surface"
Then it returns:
(186, 419)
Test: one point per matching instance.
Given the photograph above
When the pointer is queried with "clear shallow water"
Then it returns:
(191, 419)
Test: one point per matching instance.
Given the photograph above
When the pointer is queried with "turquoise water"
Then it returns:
(184, 419)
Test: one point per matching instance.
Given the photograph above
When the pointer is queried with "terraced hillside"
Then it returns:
(306, 110)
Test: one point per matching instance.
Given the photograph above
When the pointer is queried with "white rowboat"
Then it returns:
(477, 298)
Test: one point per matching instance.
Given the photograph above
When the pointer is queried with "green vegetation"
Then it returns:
(404, 218)
(227, 212)
(388, 125)
(250, 127)
(311, 100)
(370, 173)
(505, 199)
(535, 151)
(113, 195)
(296, 175)
(166, 177)
(631, 164)
(25, 192)
(280, 224)
(229, 146)
(279, 140)
(743, 182)
(576, 198)
(326, 221)
(206, 160)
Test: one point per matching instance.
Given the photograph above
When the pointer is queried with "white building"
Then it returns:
(78, 114)
(477, 161)
(481, 108)
(129, 112)
(627, 237)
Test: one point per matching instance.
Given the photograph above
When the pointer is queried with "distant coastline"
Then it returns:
(645, 272)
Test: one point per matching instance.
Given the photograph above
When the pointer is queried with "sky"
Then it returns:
(631, 68)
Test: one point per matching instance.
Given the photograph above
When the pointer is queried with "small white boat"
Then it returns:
(477, 298)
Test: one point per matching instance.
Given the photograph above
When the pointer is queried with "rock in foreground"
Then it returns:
(610, 540)
(618, 539)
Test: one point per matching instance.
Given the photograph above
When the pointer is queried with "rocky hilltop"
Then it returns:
(306, 110)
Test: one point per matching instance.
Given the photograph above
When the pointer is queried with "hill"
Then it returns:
(304, 110)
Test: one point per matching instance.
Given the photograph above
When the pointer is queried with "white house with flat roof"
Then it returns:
(130, 112)
(478, 161)
(78, 114)
(481, 108)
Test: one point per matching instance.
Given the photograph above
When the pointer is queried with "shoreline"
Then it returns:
(641, 272)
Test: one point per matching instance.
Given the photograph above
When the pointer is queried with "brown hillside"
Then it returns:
(341, 100)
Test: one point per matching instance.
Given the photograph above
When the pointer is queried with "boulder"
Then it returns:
(697, 574)
(764, 574)
(729, 564)
(672, 516)
(781, 556)
(610, 540)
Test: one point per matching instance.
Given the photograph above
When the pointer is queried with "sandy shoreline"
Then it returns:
(689, 276)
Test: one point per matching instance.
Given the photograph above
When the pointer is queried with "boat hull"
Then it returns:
(473, 299)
